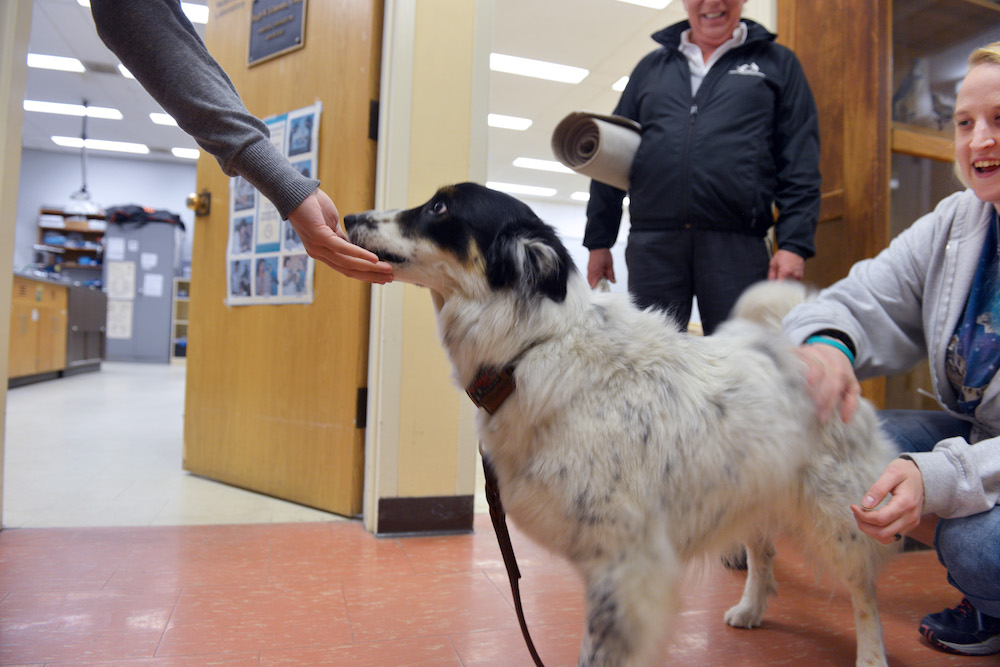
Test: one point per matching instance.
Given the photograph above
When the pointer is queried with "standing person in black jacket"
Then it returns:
(729, 132)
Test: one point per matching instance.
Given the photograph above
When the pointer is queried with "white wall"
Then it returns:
(48, 178)
(569, 221)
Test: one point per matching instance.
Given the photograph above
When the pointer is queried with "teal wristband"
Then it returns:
(832, 342)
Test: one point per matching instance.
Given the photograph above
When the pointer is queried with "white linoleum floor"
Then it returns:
(104, 449)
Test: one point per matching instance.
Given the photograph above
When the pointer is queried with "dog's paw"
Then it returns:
(873, 661)
(744, 616)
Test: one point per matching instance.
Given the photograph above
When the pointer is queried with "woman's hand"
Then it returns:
(903, 479)
(831, 381)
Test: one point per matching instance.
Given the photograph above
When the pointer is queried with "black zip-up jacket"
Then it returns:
(719, 160)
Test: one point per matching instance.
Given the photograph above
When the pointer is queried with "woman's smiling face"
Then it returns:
(977, 131)
(713, 21)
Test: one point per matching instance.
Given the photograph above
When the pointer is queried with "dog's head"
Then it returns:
(468, 238)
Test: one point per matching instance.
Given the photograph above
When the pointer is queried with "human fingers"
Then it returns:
(593, 276)
(886, 534)
(902, 482)
(786, 265)
(325, 245)
(356, 262)
(850, 398)
(830, 381)
(819, 384)
(317, 222)
(600, 265)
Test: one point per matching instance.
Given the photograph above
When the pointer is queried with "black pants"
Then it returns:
(667, 268)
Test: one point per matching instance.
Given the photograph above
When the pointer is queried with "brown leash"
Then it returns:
(488, 390)
(507, 550)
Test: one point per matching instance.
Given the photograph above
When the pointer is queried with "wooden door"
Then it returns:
(272, 398)
(844, 48)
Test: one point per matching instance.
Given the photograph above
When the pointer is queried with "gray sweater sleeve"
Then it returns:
(960, 479)
(158, 44)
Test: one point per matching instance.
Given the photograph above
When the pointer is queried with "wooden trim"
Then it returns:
(922, 142)
(420, 516)
(831, 205)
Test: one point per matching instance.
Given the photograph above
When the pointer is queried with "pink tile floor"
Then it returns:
(332, 594)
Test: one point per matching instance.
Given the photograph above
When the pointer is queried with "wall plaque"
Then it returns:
(276, 27)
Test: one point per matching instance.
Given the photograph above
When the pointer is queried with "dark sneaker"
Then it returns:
(962, 630)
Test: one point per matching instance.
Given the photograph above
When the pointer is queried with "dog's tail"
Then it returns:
(768, 301)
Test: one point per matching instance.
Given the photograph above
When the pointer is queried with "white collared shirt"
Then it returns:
(699, 68)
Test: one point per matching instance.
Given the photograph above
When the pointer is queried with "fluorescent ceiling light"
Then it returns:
(189, 153)
(72, 109)
(543, 165)
(195, 13)
(508, 122)
(101, 145)
(125, 73)
(537, 68)
(580, 196)
(59, 63)
(515, 189)
(619, 85)
(652, 4)
(163, 119)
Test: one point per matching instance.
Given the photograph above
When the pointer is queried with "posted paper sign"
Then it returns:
(266, 262)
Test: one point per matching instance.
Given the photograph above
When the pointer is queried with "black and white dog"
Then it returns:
(627, 446)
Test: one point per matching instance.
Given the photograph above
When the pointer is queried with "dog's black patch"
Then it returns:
(520, 250)
(608, 631)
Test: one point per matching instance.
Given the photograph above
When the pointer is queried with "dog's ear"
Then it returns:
(528, 256)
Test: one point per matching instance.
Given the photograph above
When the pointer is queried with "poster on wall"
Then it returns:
(266, 262)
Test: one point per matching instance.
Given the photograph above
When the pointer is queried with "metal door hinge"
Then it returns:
(361, 418)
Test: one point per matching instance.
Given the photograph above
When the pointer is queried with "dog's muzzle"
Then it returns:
(356, 224)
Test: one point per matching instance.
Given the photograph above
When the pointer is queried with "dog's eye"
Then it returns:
(439, 208)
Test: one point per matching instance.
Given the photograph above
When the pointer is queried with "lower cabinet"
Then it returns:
(54, 329)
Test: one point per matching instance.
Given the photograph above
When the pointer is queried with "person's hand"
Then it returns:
(830, 380)
(600, 266)
(317, 223)
(901, 478)
(786, 265)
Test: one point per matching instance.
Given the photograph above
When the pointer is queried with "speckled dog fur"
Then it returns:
(629, 447)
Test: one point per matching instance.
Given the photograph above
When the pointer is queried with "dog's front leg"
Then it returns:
(867, 625)
(628, 604)
(760, 584)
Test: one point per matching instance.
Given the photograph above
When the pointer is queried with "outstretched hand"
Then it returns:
(903, 479)
(317, 222)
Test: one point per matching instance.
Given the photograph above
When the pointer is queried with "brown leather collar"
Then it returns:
(491, 387)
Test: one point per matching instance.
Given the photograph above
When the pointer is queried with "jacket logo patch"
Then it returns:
(748, 69)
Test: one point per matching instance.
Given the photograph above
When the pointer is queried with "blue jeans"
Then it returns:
(968, 547)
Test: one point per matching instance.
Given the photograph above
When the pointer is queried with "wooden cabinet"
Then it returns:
(884, 73)
(37, 328)
(71, 241)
